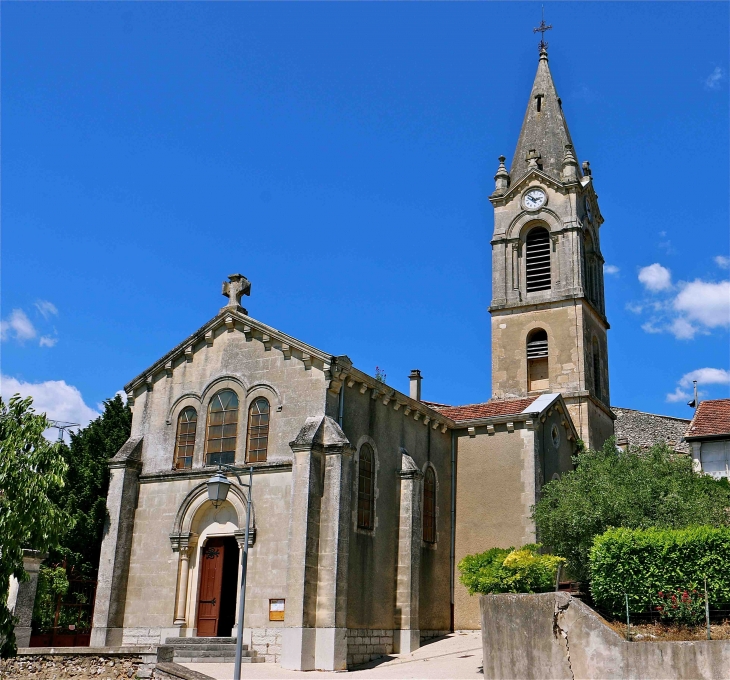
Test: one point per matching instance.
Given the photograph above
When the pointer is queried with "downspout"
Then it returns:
(452, 573)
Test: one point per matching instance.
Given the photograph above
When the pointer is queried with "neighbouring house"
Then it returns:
(638, 428)
(708, 436)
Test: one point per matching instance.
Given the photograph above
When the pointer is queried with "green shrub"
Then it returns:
(646, 564)
(635, 489)
(506, 570)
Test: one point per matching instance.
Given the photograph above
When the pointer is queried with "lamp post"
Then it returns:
(218, 486)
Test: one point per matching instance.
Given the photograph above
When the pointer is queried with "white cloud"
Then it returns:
(682, 329)
(705, 302)
(610, 269)
(46, 308)
(47, 341)
(703, 376)
(712, 82)
(722, 261)
(655, 277)
(706, 376)
(56, 398)
(634, 307)
(678, 395)
(17, 325)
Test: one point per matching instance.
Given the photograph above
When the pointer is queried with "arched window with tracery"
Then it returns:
(537, 260)
(366, 487)
(429, 506)
(258, 431)
(220, 441)
(538, 376)
(187, 425)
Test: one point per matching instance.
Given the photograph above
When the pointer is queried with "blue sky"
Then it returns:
(340, 156)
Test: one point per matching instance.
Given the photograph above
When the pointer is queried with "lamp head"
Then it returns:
(218, 486)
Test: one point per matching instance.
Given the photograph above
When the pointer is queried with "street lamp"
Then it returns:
(218, 486)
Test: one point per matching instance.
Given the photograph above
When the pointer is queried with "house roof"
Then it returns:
(712, 419)
(488, 409)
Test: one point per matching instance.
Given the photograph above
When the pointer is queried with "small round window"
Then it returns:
(555, 436)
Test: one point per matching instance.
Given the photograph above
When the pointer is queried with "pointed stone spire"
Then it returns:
(501, 179)
(544, 131)
(570, 165)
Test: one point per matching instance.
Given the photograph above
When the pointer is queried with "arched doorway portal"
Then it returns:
(208, 541)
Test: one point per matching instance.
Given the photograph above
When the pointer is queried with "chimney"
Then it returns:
(415, 378)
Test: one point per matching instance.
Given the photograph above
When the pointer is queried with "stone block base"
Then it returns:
(366, 644)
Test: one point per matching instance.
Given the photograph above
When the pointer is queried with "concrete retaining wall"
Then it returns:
(555, 636)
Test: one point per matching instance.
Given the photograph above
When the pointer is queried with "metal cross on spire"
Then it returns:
(541, 29)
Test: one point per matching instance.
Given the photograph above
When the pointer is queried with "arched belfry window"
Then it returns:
(258, 431)
(596, 368)
(366, 487)
(187, 424)
(220, 442)
(538, 377)
(429, 506)
(537, 260)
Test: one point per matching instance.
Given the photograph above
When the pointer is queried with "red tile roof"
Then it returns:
(488, 409)
(712, 418)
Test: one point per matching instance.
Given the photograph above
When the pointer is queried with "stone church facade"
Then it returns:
(364, 498)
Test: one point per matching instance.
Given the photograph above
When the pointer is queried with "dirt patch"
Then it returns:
(663, 632)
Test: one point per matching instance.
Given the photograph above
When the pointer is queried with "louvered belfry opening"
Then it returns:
(538, 376)
(537, 260)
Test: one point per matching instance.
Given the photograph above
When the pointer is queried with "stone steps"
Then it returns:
(205, 650)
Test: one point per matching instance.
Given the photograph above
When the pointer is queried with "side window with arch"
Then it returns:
(537, 260)
(429, 506)
(366, 487)
(596, 368)
(538, 376)
(220, 441)
(258, 431)
(589, 267)
(187, 425)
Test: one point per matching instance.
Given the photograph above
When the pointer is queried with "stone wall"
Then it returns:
(366, 644)
(267, 642)
(51, 667)
(553, 635)
(646, 429)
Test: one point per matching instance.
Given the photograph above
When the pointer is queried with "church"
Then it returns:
(364, 498)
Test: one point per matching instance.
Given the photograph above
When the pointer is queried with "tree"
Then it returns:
(87, 484)
(32, 472)
(634, 489)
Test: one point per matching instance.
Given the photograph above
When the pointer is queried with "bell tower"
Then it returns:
(549, 326)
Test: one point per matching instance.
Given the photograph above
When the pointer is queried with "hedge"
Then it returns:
(641, 563)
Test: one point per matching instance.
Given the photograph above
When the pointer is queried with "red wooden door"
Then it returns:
(209, 593)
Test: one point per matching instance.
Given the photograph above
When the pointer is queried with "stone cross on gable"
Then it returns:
(234, 289)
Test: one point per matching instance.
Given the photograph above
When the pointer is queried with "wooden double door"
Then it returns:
(217, 590)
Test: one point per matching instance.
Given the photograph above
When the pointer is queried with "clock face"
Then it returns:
(534, 199)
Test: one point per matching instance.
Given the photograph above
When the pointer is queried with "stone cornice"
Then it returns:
(543, 304)
(208, 470)
(232, 320)
(397, 400)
